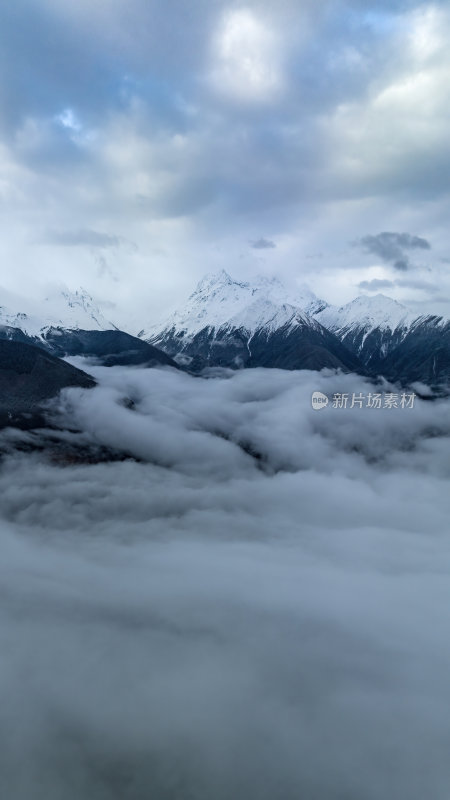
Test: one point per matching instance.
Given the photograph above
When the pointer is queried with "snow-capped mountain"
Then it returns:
(368, 325)
(219, 299)
(263, 313)
(259, 323)
(366, 312)
(233, 323)
(60, 309)
(391, 340)
(423, 354)
(71, 323)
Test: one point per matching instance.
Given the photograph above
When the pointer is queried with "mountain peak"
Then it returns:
(378, 300)
(220, 300)
(213, 280)
(369, 312)
(61, 308)
(264, 313)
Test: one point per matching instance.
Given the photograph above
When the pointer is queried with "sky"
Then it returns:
(144, 143)
(254, 605)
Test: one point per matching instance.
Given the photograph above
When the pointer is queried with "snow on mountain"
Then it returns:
(368, 313)
(264, 313)
(236, 324)
(375, 327)
(219, 300)
(76, 310)
(305, 299)
(60, 309)
(232, 323)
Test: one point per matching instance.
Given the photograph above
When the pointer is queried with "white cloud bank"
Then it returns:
(246, 56)
(258, 609)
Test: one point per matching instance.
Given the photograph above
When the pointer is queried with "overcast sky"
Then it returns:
(144, 143)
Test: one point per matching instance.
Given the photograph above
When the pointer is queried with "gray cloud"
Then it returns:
(83, 238)
(263, 244)
(237, 612)
(388, 245)
(425, 286)
(376, 284)
(391, 247)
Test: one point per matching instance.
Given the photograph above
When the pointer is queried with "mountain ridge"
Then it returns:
(223, 319)
(60, 309)
(236, 323)
(233, 323)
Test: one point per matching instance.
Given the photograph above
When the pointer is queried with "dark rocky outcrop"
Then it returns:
(111, 348)
(29, 376)
(288, 347)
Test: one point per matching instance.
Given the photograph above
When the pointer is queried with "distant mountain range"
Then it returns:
(71, 324)
(238, 324)
(392, 341)
(231, 323)
(59, 310)
(243, 324)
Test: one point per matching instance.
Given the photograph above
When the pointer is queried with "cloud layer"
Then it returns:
(255, 608)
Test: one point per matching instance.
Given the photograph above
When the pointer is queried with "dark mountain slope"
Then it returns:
(28, 377)
(423, 355)
(111, 348)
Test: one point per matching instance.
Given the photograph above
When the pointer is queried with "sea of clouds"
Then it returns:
(254, 604)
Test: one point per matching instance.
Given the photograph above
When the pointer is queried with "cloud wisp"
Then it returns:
(262, 244)
(83, 238)
(393, 247)
(376, 284)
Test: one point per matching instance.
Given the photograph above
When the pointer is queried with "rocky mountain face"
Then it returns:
(368, 326)
(109, 348)
(28, 377)
(423, 354)
(246, 324)
(60, 309)
(258, 323)
(72, 324)
(392, 341)
(238, 324)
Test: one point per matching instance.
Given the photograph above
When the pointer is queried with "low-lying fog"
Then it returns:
(254, 606)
